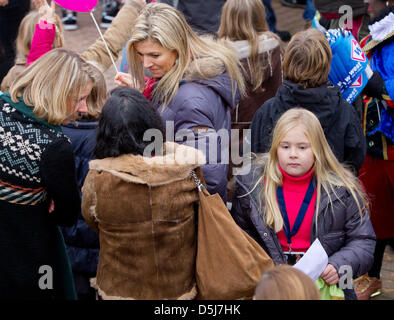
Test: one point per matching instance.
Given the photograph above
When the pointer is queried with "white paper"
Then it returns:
(314, 261)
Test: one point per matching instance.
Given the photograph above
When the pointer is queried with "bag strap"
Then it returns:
(197, 181)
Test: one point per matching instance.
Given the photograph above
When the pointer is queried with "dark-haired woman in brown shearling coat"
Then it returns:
(143, 207)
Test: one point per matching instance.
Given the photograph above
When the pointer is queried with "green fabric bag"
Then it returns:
(329, 292)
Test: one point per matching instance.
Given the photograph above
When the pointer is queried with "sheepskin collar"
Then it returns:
(266, 44)
(175, 165)
(209, 66)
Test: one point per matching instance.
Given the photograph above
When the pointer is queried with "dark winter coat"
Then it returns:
(202, 15)
(16, 4)
(36, 166)
(82, 243)
(203, 108)
(338, 118)
(346, 238)
(270, 59)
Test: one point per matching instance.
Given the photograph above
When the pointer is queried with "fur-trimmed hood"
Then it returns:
(209, 66)
(214, 76)
(176, 164)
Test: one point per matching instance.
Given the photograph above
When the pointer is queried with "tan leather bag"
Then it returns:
(229, 262)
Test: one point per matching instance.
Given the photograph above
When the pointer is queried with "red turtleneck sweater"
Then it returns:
(294, 189)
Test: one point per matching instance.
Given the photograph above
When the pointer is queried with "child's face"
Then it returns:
(294, 152)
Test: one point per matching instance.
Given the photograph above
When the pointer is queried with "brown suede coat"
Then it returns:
(143, 211)
(270, 58)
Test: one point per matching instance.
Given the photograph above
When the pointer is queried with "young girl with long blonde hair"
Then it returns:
(299, 192)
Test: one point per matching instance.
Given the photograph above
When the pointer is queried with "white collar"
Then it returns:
(266, 44)
(380, 29)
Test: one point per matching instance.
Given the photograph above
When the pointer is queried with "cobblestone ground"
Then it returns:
(288, 19)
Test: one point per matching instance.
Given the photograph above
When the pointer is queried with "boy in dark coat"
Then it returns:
(306, 67)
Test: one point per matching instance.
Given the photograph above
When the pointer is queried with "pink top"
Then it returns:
(294, 189)
(42, 41)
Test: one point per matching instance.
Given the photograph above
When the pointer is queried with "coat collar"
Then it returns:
(266, 44)
(175, 165)
(381, 28)
(383, 25)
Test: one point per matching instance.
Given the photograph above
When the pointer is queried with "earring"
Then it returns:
(177, 60)
(387, 3)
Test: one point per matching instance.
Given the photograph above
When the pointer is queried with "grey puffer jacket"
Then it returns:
(200, 116)
(346, 238)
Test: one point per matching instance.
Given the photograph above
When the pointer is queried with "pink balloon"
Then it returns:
(77, 5)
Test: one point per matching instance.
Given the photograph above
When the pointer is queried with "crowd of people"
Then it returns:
(98, 185)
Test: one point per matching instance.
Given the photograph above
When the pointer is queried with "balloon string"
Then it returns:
(105, 43)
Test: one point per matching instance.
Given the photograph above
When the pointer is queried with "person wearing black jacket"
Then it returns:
(38, 189)
(11, 15)
(306, 66)
(202, 15)
(82, 243)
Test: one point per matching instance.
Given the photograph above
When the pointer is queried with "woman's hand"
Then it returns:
(123, 79)
(47, 12)
(330, 275)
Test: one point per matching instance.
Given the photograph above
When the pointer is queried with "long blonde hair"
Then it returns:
(245, 20)
(27, 28)
(328, 171)
(167, 26)
(51, 82)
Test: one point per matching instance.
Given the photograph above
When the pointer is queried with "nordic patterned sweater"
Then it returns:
(36, 165)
